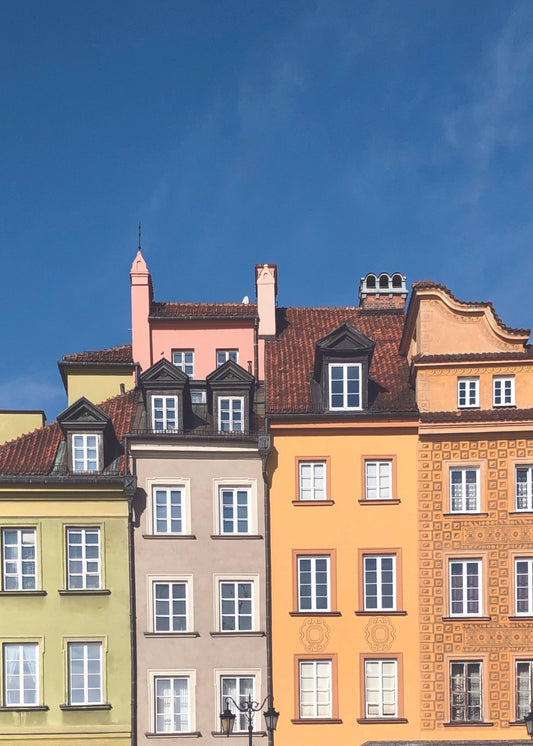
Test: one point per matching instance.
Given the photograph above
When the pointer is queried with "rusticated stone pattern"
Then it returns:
(496, 537)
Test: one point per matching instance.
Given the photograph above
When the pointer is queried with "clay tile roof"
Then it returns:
(499, 414)
(429, 285)
(203, 310)
(290, 357)
(34, 453)
(525, 354)
(121, 354)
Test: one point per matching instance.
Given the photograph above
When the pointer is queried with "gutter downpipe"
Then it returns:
(264, 450)
(133, 605)
(256, 348)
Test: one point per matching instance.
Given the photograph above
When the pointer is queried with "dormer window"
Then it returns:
(164, 412)
(85, 452)
(344, 386)
(230, 391)
(231, 414)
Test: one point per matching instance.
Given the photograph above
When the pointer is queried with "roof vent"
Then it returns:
(383, 291)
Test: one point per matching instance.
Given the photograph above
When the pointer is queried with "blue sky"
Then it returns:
(331, 137)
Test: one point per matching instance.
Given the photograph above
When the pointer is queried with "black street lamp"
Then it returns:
(528, 720)
(249, 707)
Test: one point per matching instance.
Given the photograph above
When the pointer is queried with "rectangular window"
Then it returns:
(234, 510)
(465, 587)
(524, 586)
(345, 386)
(164, 412)
(172, 704)
(170, 606)
(236, 606)
(314, 584)
(524, 487)
(465, 691)
(19, 559)
(468, 392)
(381, 688)
(21, 674)
(85, 673)
(184, 360)
(85, 452)
(379, 582)
(231, 414)
(315, 688)
(169, 510)
(464, 490)
(238, 688)
(503, 391)
(83, 559)
(224, 355)
(312, 480)
(524, 673)
(378, 480)
(198, 396)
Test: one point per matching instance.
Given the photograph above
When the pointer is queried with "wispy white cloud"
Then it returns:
(28, 392)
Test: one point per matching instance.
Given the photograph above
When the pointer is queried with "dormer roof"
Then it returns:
(83, 414)
(163, 375)
(229, 375)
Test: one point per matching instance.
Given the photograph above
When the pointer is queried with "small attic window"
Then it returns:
(384, 282)
(397, 281)
(344, 386)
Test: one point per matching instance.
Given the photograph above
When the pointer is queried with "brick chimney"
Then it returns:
(266, 286)
(382, 292)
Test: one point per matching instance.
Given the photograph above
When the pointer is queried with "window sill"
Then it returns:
(513, 723)
(521, 618)
(236, 536)
(315, 613)
(377, 612)
(308, 503)
(84, 592)
(383, 720)
(171, 634)
(384, 501)
(28, 708)
(190, 734)
(469, 724)
(22, 593)
(255, 734)
(74, 708)
(238, 633)
(465, 513)
(517, 513)
(169, 536)
(466, 618)
(316, 721)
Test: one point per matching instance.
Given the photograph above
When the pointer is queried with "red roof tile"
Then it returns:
(121, 354)
(526, 354)
(429, 284)
(498, 414)
(290, 357)
(202, 310)
(34, 453)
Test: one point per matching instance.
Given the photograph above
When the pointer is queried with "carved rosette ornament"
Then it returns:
(314, 635)
(380, 633)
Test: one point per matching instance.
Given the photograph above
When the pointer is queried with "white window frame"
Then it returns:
(184, 360)
(315, 574)
(220, 705)
(523, 681)
(318, 672)
(503, 391)
(381, 688)
(380, 582)
(523, 586)
(528, 489)
(466, 691)
(20, 695)
(237, 600)
(227, 354)
(167, 493)
(232, 492)
(378, 486)
(82, 445)
(345, 393)
(312, 480)
(91, 566)
(17, 573)
(467, 392)
(460, 604)
(240, 696)
(165, 419)
(151, 580)
(165, 608)
(233, 424)
(87, 677)
(190, 677)
(463, 498)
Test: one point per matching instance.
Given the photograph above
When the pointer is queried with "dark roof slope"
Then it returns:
(121, 354)
(290, 357)
(34, 453)
(203, 310)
